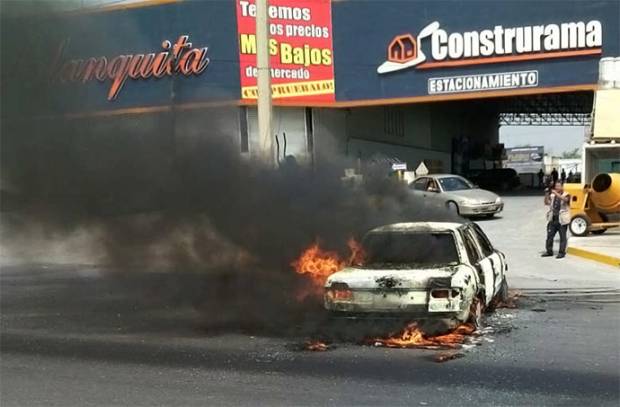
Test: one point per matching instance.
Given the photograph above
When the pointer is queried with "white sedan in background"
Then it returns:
(457, 194)
(447, 272)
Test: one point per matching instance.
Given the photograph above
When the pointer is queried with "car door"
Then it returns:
(433, 191)
(492, 254)
(484, 265)
(418, 187)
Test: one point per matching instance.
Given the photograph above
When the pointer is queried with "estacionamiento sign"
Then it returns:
(483, 82)
(496, 45)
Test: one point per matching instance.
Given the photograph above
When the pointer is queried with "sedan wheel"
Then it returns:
(452, 207)
(475, 313)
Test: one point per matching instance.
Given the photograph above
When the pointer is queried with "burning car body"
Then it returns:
(428, 271)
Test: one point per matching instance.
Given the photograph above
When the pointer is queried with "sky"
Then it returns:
(555, 139)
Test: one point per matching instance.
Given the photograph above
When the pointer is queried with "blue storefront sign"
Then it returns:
(396, 49)
(186, 53)
(178, 53)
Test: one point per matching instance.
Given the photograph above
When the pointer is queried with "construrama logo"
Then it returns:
(493, 45)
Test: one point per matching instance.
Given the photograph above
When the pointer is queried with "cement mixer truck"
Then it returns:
(596, 207)
(595, 202)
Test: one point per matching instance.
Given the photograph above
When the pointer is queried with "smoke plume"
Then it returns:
(171, 193)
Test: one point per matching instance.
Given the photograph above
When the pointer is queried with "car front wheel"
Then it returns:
(452, 207)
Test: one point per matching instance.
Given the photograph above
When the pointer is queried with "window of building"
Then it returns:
(393, 121)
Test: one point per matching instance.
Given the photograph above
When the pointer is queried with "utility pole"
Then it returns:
(264, 83)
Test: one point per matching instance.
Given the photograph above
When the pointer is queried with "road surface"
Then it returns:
(82, 336)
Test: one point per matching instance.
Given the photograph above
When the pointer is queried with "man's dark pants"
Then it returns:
(553, 228)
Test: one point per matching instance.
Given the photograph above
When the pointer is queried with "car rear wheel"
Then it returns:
(579, 225)
(475, 313)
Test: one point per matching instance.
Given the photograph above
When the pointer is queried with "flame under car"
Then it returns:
(439, 271)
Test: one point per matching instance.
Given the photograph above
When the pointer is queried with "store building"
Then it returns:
(419, 81)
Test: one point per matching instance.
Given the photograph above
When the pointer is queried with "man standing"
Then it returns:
(554, 177)
(558, 218)
(541, 176)
(563, 176)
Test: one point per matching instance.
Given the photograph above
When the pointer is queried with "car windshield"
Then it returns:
(454, 184)
(407, 249)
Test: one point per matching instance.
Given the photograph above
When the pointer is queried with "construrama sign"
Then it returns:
(493, 45)
(178, 58)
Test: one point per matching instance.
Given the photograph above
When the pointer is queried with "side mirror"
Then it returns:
(433, 189)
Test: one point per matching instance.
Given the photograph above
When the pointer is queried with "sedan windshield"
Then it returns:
(406, 249)
(454, 184)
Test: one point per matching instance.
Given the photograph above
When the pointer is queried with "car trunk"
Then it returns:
(389, 290)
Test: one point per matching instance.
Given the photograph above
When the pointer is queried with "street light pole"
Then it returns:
(264, 83)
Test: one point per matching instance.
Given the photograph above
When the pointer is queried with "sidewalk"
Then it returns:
(603, 248)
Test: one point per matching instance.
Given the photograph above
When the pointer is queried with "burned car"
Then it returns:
(440, 271)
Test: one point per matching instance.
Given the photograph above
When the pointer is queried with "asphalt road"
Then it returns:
(81, 336)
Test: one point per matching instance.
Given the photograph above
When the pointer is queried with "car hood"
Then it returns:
(362, 278)
(480, 195)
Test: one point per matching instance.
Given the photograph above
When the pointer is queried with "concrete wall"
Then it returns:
(365, 132)
(330, 133)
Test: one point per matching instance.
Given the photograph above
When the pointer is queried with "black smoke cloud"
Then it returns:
(170, 192)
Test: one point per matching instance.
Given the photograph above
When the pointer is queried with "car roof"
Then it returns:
(441, 175)
(419, 227)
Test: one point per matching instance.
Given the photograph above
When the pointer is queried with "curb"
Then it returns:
(601, 258)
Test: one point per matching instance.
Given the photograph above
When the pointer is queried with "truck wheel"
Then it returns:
(579, 225)
(600, 231)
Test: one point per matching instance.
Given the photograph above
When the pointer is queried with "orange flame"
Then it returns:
(358, 255)
(413, 337)
(318, 264)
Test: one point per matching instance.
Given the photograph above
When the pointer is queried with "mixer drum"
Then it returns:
(605, 193)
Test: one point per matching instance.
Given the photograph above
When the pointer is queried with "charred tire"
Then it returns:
(501, 296)
(579, 225)
(475, 313)
(453, 207)
(503, 291)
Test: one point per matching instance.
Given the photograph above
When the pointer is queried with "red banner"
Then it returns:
(300, 49)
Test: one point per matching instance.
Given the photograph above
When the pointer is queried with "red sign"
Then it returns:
(300, 49)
